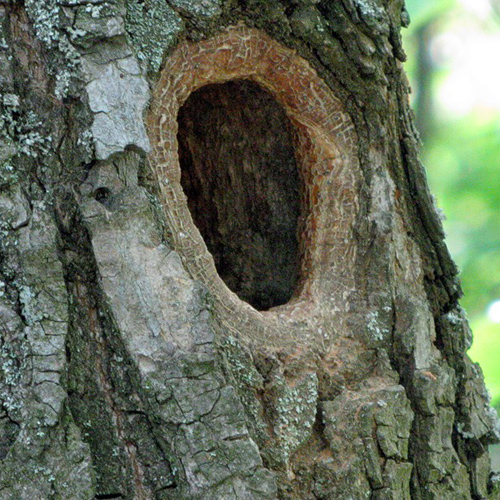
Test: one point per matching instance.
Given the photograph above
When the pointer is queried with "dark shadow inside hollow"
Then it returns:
(240, 176)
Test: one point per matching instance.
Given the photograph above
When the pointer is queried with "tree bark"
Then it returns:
(131, 363)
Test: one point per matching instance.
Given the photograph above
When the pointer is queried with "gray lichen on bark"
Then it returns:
(117, 377)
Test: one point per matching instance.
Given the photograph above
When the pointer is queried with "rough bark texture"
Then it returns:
(128, 368)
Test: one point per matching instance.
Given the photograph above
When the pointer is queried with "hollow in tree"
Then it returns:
(242, 183)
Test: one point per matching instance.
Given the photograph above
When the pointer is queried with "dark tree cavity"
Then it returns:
(127, 368)
(240, 176)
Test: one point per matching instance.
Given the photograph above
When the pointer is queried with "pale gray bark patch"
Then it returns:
(117, 91)
(163, 322)
(118, 94)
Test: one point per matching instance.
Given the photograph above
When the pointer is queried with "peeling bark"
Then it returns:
(128, 367)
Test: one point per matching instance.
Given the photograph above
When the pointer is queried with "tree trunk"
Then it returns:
(222, 274)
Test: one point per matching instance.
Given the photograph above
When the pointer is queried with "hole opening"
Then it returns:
(240, 176)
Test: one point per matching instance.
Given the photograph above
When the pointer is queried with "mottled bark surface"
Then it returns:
(128, 367)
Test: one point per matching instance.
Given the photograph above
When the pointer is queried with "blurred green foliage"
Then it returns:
(424, 11)
(462, 157)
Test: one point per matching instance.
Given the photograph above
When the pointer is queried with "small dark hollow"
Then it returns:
(102, 195)
(240, 177)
